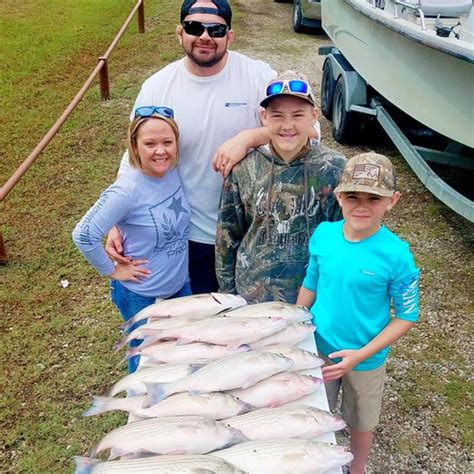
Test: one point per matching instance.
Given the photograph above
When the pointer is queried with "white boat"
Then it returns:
(418, 54)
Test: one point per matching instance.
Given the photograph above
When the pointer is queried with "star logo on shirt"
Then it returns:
(176, 207)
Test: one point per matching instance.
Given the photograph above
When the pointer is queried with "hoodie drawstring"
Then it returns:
(269, 201)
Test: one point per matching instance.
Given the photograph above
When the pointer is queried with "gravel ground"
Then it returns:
(420, 430)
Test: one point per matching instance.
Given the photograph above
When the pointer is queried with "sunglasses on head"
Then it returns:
(150, 110)
(297, 86)
(196, 28)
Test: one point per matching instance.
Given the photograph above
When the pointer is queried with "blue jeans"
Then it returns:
(129, 304)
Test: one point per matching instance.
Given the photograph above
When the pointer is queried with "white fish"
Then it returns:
(295, 421)
(293, 333)
(172, 464)
(168, 435)
(158, 323)
(196, 352)
(206, 303)
(285, 456)
(214, 405)
(277, 390)
(234, 371)
(274, 309)
(134, 383)
(225, 331)
(302, 359)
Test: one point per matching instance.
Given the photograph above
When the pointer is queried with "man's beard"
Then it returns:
(209, 61)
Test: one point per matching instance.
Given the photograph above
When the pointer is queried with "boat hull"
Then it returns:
(432, 86)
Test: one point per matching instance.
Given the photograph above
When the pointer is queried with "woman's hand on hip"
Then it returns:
(131, 271)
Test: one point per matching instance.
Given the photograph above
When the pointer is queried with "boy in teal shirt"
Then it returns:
(357, 268)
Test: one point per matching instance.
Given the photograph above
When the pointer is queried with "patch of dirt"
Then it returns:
(419, 429)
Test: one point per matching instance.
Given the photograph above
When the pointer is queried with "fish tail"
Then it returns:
(155, 392)
(84, 465)
(99, 405)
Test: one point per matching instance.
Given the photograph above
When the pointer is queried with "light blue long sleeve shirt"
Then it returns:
(153, 216)
(355, 283)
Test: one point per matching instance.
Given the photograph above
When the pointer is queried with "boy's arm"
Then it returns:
(230, 231)
(234, 149)
(305, 297)
(350, 358)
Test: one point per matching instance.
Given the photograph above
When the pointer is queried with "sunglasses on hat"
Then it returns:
(150, 110)
(196, 28)
(296, 86)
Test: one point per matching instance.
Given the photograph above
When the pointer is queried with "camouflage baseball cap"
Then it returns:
(368, 173)
(288, 83)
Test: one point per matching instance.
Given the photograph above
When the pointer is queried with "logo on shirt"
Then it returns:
(235, 104)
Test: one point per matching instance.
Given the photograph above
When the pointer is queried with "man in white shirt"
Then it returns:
(215, 95)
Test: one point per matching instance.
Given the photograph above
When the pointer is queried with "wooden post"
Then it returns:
(3, 252)
(104, 79)
(141, 17)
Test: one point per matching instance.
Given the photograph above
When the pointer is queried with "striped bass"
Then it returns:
(158, 323)
(302, 359)
(278, 389)
(177, 464)
(224, 331)
(274, 309)
(234, 371)
(205, 303)
(214, 405)
(293, 333)
(134, 383)
(196, 352)
(168, 435)
(295, 421)
(285, 456)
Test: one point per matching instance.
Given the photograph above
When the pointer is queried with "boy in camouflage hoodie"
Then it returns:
(274, 199)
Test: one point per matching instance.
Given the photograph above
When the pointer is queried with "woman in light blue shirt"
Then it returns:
(148, 206)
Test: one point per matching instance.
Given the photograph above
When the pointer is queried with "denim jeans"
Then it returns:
(129, 304)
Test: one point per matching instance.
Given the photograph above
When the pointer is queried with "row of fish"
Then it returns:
(231, 384)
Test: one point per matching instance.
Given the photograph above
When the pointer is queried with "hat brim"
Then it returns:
(264, 103)
(360, 188)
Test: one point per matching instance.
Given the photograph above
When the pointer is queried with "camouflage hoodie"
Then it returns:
(268, 211)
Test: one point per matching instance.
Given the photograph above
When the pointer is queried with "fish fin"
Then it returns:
(183, 340)
(194, 393)
(143, 453)
(84, 465)
(99, 405)
(155, 392)
(117, 453)
(177, 451)
(274, 403)
(195, 367)
(251, 381)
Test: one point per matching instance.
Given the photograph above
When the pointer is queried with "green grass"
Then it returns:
(56, 343)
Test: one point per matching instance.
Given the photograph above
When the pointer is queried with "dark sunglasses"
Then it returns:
(196, 28)
(150, 110)
(296, 86)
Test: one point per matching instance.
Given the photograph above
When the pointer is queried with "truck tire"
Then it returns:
(344, 123)
(327, 90)
(297, 17)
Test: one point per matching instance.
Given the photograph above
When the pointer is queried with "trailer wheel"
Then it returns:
(297, 17)
(327, 90)
(344, 123)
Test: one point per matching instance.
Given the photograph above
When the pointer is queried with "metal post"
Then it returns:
(104, 79)
(141, 17)
(3, 252)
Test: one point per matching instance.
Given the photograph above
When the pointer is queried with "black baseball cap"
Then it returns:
(222, 9)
